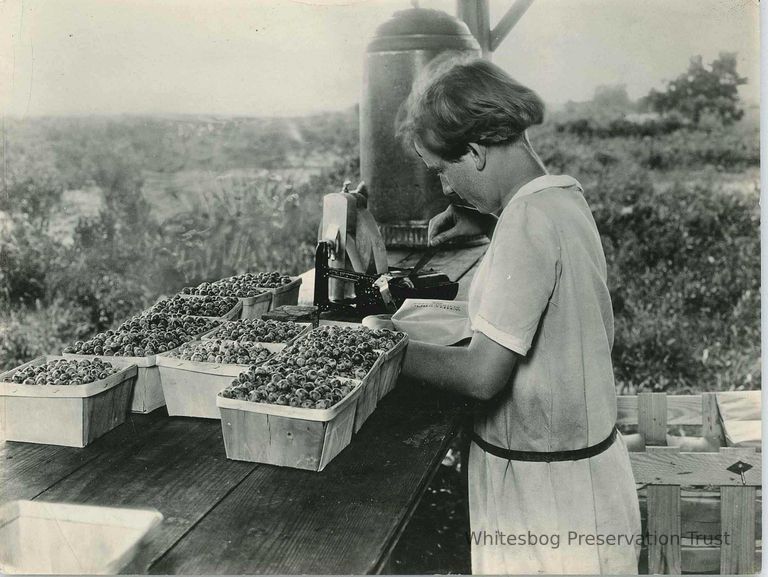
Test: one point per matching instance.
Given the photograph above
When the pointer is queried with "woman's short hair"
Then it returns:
(458, 100)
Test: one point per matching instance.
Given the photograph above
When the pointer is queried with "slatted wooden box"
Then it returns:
(287, 436)
(688, 488)
(68, 415)
(190, 387)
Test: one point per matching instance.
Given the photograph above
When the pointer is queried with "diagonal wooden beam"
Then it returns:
(508, 22)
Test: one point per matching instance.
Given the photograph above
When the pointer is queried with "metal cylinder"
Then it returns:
(403, 196)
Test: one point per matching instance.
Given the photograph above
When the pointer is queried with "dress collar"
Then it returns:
(546, 181)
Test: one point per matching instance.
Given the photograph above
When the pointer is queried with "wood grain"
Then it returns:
(652, 418)
(29, 469)
(738, 512)
(180, 469)
(343, 520)
(681, 409)
(664, 529)
(704, 469)
(107, 410)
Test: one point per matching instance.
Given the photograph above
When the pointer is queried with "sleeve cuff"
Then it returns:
(506, 340)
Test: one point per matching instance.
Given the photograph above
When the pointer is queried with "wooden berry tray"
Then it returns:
(147, 392)
(287, 436)
(250, 307)
(69, 415)
(287, 294)
(190, 387)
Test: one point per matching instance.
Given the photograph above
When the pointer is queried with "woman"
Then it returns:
(551, 488)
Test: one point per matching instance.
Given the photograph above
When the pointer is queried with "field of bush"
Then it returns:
(101, 216)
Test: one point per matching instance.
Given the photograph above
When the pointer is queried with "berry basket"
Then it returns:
(287, 436)
(69, 415)
(190, 387)
(147, 392)
(380, 380)
(254, 307)
(288, 294)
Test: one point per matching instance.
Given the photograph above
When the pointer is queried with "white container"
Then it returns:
(190, 387)
(287, 436)
(148, 392)
(56, 538)
(68, 415)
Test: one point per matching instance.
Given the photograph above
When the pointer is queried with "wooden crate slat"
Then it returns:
(652, 418)
(700, 560)
(700, 513)
(737, 554)
(681, 409)
(664, 529)
(674, 467)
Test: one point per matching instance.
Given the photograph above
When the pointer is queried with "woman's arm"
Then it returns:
(479, 371)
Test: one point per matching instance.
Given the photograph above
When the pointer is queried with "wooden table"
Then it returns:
(231, 517)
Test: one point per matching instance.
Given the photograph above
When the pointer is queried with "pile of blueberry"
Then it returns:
(281, 385)
(65, 372)
(144, 335)
(257, 330)
(223, 352)
(342, 351)
(243, 286)
(207, 306)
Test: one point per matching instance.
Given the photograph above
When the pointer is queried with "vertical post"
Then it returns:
(477, 16)
(710, 418)
(738, 512)
(664, 529)
(652, 418)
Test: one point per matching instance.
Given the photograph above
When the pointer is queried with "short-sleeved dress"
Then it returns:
(541, 291)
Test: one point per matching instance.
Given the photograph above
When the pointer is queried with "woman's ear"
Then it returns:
(478, 152)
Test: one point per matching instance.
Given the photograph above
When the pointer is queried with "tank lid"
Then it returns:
(428, 25)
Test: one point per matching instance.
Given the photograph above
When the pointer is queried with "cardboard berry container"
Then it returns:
(147, 392)
(275, 347)
(190, 387)
(68, 415)
(287, 436)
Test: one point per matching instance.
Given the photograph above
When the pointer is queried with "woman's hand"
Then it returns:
(456, 221)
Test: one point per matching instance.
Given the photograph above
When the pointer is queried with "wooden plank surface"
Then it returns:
(652, 418)
(664, 529)
(670, 466)
(681, 410)
(343, 520)
(28, 469)
(737, 554)
(180, 469)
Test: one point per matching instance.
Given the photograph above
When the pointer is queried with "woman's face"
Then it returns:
(461, 178)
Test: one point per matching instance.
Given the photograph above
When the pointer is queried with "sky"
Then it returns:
(292, 57)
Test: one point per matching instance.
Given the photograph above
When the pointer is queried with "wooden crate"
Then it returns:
(190, 387)
(287, 436)
(69, 415)
(147, 392)
(687, 490)
(61, 538)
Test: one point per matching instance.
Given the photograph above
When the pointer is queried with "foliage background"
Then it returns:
(101, 216)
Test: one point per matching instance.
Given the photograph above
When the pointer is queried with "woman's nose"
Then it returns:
(447, 190)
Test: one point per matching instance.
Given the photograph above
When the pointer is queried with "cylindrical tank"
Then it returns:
(403, 196)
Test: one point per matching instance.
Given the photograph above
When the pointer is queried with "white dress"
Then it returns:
(541, 291)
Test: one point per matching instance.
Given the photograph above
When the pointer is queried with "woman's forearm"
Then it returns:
(479, 371)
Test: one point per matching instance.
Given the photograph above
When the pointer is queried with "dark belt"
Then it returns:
(542, 456)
